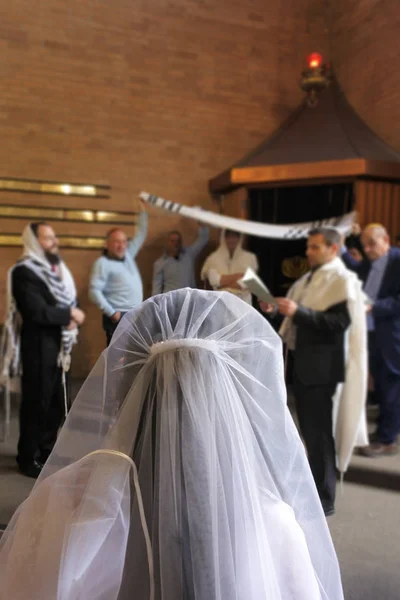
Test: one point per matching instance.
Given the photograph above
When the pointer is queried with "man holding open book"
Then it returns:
(324, 329)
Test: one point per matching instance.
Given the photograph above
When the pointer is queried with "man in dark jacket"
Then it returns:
(317, 316)
(45, 296)
(380, 273)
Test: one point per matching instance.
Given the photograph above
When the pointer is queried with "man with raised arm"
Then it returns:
(175, 268)
(115, 282)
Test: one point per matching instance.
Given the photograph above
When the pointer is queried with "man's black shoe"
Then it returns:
(44, 455)
(329, 511)
(31, 469)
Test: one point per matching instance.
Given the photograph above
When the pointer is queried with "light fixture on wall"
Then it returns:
(315, 78)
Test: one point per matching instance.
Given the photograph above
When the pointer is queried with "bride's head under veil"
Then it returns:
(179, 473)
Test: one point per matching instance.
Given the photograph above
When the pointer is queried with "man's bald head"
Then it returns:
(116, 243)
(375, 240)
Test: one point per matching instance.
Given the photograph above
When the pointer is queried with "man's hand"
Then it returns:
(356, 229)
(286, 307)
(230, 280)
(78, 315)
(368, 308)
(266, 307)
(116, 317)
(73, 325)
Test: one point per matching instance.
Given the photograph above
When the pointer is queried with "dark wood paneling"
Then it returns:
(378, 202)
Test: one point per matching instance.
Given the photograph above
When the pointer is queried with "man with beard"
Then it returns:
(43, 292)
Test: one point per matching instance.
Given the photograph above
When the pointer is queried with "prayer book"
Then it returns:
(256, 286)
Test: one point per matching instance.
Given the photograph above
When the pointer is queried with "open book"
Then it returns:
(254, 284)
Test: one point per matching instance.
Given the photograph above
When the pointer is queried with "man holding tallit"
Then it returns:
(325, 330)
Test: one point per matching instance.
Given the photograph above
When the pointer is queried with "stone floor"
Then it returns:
(365, 528)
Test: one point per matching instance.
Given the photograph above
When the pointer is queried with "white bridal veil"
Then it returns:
(179, 474)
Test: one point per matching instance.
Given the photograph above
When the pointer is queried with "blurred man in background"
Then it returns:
(225, 267)
(380, 273)
(115, 282)
(175, 269)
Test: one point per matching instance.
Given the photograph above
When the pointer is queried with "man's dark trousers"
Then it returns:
(314, 411)
(387, 386)
(109, 327)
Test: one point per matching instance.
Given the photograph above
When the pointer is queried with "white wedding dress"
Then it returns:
(179, 474)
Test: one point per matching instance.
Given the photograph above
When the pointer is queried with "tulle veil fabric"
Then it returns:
(179, 473)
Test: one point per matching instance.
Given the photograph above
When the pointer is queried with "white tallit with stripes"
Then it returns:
(333, 283)
(292, 231)
(62, 289)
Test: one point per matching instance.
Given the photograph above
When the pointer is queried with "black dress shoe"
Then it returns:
(377, 449)
(31, 469)
(329, 511)
(44, 455)
(374, 437)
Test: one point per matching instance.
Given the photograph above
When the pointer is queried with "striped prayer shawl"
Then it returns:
(63, 298)
(291, 231)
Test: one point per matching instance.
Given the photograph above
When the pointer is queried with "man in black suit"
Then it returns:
(380, 273)
(44, 293)
(317, 316)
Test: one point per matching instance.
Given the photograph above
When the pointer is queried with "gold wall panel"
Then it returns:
(86, 243)
(105, 216)
(79, 215)
(54, 187)
(65, 214)
(27, 212)
(70, 203)
(64, 228)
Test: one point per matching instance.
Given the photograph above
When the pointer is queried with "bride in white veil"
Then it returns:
(179, 474)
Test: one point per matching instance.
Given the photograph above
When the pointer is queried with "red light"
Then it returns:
(314, 60)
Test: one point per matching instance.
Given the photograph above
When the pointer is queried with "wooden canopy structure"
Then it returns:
(325, 142)
(323, 161)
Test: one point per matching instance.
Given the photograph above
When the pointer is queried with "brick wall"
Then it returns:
(150, 95)
(366, 53)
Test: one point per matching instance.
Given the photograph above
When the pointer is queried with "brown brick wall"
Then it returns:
(158, 96)
(366, 55)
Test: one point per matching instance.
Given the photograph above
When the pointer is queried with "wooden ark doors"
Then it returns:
(283, 261)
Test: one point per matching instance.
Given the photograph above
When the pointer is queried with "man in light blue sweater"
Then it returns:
(115, 282)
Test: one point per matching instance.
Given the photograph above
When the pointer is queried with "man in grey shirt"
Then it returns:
(175, 269)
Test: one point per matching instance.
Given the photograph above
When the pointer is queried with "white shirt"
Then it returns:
(222, 262)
